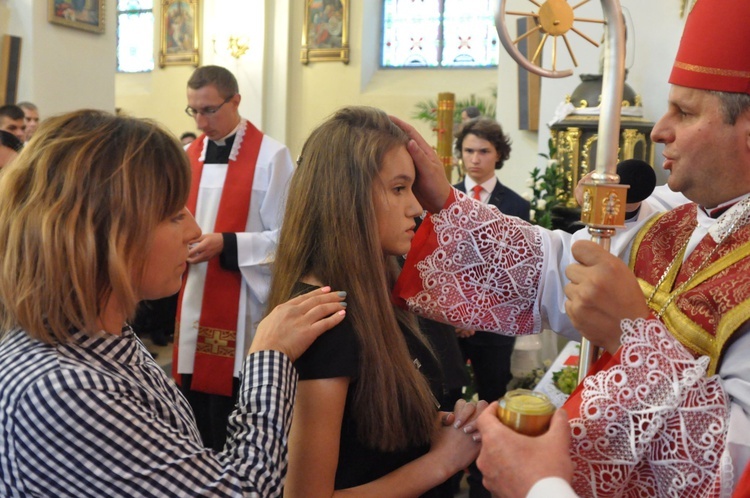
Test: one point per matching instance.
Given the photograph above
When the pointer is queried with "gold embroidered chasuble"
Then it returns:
(704, 300)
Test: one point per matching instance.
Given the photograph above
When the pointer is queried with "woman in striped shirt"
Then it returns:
(92, 221)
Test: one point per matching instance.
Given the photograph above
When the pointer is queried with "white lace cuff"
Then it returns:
(484, 273)
(652, 423)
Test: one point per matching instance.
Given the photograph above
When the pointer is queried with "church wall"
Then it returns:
(160, 94)
(286, 98)
(316, 90)
(62, 68)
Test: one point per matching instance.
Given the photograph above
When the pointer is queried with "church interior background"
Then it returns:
(61, 69)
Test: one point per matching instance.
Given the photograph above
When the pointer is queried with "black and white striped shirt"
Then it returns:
(97, 417)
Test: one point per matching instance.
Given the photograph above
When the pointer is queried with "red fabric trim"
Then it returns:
(424, 243)
(709, 300)
(743, 486)
(217, 333)
(573, 404)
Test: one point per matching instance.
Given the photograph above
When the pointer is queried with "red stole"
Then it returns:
(215, 352)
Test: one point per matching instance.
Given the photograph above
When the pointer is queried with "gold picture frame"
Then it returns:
(180, 40)
(325, 34)
(89, 17)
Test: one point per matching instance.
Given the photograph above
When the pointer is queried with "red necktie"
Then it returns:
(477, 191)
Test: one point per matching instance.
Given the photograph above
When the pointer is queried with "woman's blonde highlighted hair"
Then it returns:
(77, 210)
(330, 232)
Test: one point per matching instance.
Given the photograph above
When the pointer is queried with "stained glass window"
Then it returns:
(439, 33)
(135, 36)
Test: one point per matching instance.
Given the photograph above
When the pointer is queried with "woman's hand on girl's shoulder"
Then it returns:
(293, 326)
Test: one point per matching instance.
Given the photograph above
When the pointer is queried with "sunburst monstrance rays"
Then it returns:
(555, 19)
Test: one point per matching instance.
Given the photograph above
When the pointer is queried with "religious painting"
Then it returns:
(87, 15)
(180, 41)
(325, 34)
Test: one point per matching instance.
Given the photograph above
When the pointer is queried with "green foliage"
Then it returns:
(470, 390)
(427, 109)
(546, 187)
(531, 379)
(566, 379)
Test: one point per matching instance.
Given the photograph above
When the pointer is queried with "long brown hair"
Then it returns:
(330, 232)
(78, 208)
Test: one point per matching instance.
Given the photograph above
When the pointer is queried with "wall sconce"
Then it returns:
(238, 45)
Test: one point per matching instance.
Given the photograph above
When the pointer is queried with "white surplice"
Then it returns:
(256, 246)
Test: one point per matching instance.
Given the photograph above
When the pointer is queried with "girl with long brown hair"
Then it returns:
(365, 420)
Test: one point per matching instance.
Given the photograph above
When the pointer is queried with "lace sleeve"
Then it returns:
(651, 423)
(476, 268)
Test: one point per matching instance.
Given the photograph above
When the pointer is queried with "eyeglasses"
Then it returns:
(206, 111)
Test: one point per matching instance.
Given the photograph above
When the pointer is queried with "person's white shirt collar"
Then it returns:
(488, 186)
(222, 141)
(717, 227)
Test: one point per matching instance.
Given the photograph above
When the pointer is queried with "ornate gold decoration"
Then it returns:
(588, 145)
(327, 50)
(568, 143)
(631, 138)
(446, 106)
(216, 342)
(555, 18)
(604, 205)
(237, 46)
(180, 33)
(583, 103)
(576, 146)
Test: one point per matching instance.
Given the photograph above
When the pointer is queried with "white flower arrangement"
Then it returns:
(545, 188)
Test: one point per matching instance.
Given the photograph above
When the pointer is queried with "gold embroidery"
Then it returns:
(639, 238)
(216, 342)
(723, 306)
(686, 330)
(711, 70)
